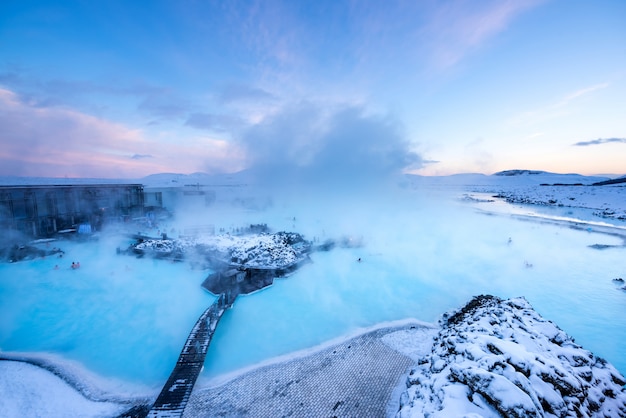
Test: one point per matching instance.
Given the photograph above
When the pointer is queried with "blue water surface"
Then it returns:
(128, 318)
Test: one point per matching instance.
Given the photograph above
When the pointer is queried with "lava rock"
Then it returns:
(500, 358)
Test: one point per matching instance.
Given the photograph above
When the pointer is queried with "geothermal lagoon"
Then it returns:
(127, 318)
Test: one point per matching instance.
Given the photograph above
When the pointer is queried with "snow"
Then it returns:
(538, 189)
(500, 358)
(600, 203)
(414, 343)
(42, 394)
(438, 257)
(263, 250)
(606, 202)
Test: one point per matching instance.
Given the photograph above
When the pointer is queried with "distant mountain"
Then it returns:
(508, 177)
(250, 177)
(519, 172)
(618, 180)
(547, 177)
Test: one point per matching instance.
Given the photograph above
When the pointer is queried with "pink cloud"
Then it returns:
(460, 27)
(57, 142)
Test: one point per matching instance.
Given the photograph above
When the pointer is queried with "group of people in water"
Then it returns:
(75, 265)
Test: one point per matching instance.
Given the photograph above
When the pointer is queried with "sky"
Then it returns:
(119, 89)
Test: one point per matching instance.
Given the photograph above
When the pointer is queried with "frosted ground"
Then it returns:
(426, 250)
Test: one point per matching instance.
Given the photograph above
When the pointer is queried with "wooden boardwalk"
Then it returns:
(175, 394)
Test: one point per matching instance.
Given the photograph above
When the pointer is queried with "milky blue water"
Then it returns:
(128, 318)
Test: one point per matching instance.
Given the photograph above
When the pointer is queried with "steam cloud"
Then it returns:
(308, 144)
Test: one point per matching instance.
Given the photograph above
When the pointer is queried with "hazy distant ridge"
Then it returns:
(518, 176)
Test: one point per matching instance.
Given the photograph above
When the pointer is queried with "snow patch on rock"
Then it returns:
(500, 358)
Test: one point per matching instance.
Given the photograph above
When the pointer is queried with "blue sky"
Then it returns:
(126, 89)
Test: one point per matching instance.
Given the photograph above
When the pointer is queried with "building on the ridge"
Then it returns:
(44, 210)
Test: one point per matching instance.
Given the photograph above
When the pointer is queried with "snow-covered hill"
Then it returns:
(545, 177)
(500, 358)
(508, 178)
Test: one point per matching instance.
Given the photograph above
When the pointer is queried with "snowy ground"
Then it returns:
(547, 193)
(600, 203)
(30, 391)
(49, 386)
(420, 259)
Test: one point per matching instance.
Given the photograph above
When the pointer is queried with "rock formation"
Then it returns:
(500, 358)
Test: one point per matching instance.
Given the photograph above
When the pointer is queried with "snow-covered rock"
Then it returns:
(262, 250)
(500, 358)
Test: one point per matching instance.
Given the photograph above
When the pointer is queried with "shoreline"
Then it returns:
(577, 224)
(112, 391)
(90, 385)
(225, 378)
(361, 375)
